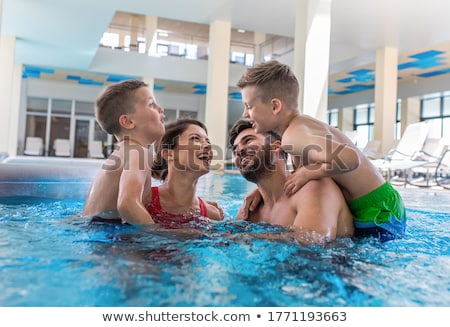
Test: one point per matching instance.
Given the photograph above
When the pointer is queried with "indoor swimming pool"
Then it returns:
(51, 257)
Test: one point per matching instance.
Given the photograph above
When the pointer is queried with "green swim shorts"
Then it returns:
(379, 213)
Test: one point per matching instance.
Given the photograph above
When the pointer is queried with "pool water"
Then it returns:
(50, 258)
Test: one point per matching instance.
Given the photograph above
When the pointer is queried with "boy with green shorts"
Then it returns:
(270, 96)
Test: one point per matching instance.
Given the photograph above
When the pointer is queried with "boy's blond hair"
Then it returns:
(116, 100)
(272, 80)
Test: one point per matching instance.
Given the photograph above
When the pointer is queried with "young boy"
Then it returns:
(270, 96)
(128, 111)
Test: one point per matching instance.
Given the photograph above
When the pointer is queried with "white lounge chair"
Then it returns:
(352, 135)
(371, 150)
(400, 160)
(442, 173)
(96, 150)
(34, 146)
(61, 147)
(423, 175)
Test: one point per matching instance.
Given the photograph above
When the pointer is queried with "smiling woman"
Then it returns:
(183, 155)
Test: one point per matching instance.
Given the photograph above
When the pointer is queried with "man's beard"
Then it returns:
(260, 166)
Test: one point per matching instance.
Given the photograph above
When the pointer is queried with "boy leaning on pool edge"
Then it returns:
(270, 96)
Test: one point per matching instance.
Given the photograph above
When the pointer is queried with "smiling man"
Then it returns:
(317, 213)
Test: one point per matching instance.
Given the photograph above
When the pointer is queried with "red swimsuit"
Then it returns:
(170, 220)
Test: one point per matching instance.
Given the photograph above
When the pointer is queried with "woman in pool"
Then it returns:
(183, 155)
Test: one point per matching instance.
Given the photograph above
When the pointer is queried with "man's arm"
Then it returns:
(321, 157)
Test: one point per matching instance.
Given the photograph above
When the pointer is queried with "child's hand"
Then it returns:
(295, 182)
(251, 202)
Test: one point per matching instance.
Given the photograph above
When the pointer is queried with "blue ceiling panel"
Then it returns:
(73, 77)
(361, 72)
(35, 72)
(39, 69)
(86, 81)
(427, 54)
(360, 87)
(118, 78)
(235, 95)
(435, 73)
(200, 88)
(424, 60)
(361, 75)
(158, 87)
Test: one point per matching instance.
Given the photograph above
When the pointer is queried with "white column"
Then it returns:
(345, 119)
(258, 39)
(151, 84)
(10, 86)
(134, 23)
(1, 15)
(410, 112)
(385, 96)
(151, 24)
(312, 55)
(216, 117)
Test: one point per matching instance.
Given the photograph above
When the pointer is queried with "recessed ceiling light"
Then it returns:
(241, 30)
(163, 34)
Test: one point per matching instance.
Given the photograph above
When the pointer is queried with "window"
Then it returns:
(398, 116)
(431, 106)
(363, 118)
(188, 114)
(435, 109)
(162, 49)
(36, 120)
(110, 40)
(333, 117)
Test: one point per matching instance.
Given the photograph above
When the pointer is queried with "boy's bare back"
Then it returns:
(317, 141)
(104, 191)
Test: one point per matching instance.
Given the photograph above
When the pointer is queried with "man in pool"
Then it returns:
(317, 213)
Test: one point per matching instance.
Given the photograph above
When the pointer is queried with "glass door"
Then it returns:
(81, 138)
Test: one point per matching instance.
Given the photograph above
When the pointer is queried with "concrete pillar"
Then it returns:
(216, 112)
(312, 55)
(385, 96)
(151, 84)
(345, 119)
(258, 39)
(410, 112)
(134, 24)
(151, 24)
(10, 87)
(1, 14)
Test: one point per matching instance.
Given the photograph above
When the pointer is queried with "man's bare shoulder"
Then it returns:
(316, 189)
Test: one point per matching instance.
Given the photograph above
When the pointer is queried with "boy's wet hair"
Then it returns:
(272, 80)
(243, 124)
(116, 100)
(170, 140)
